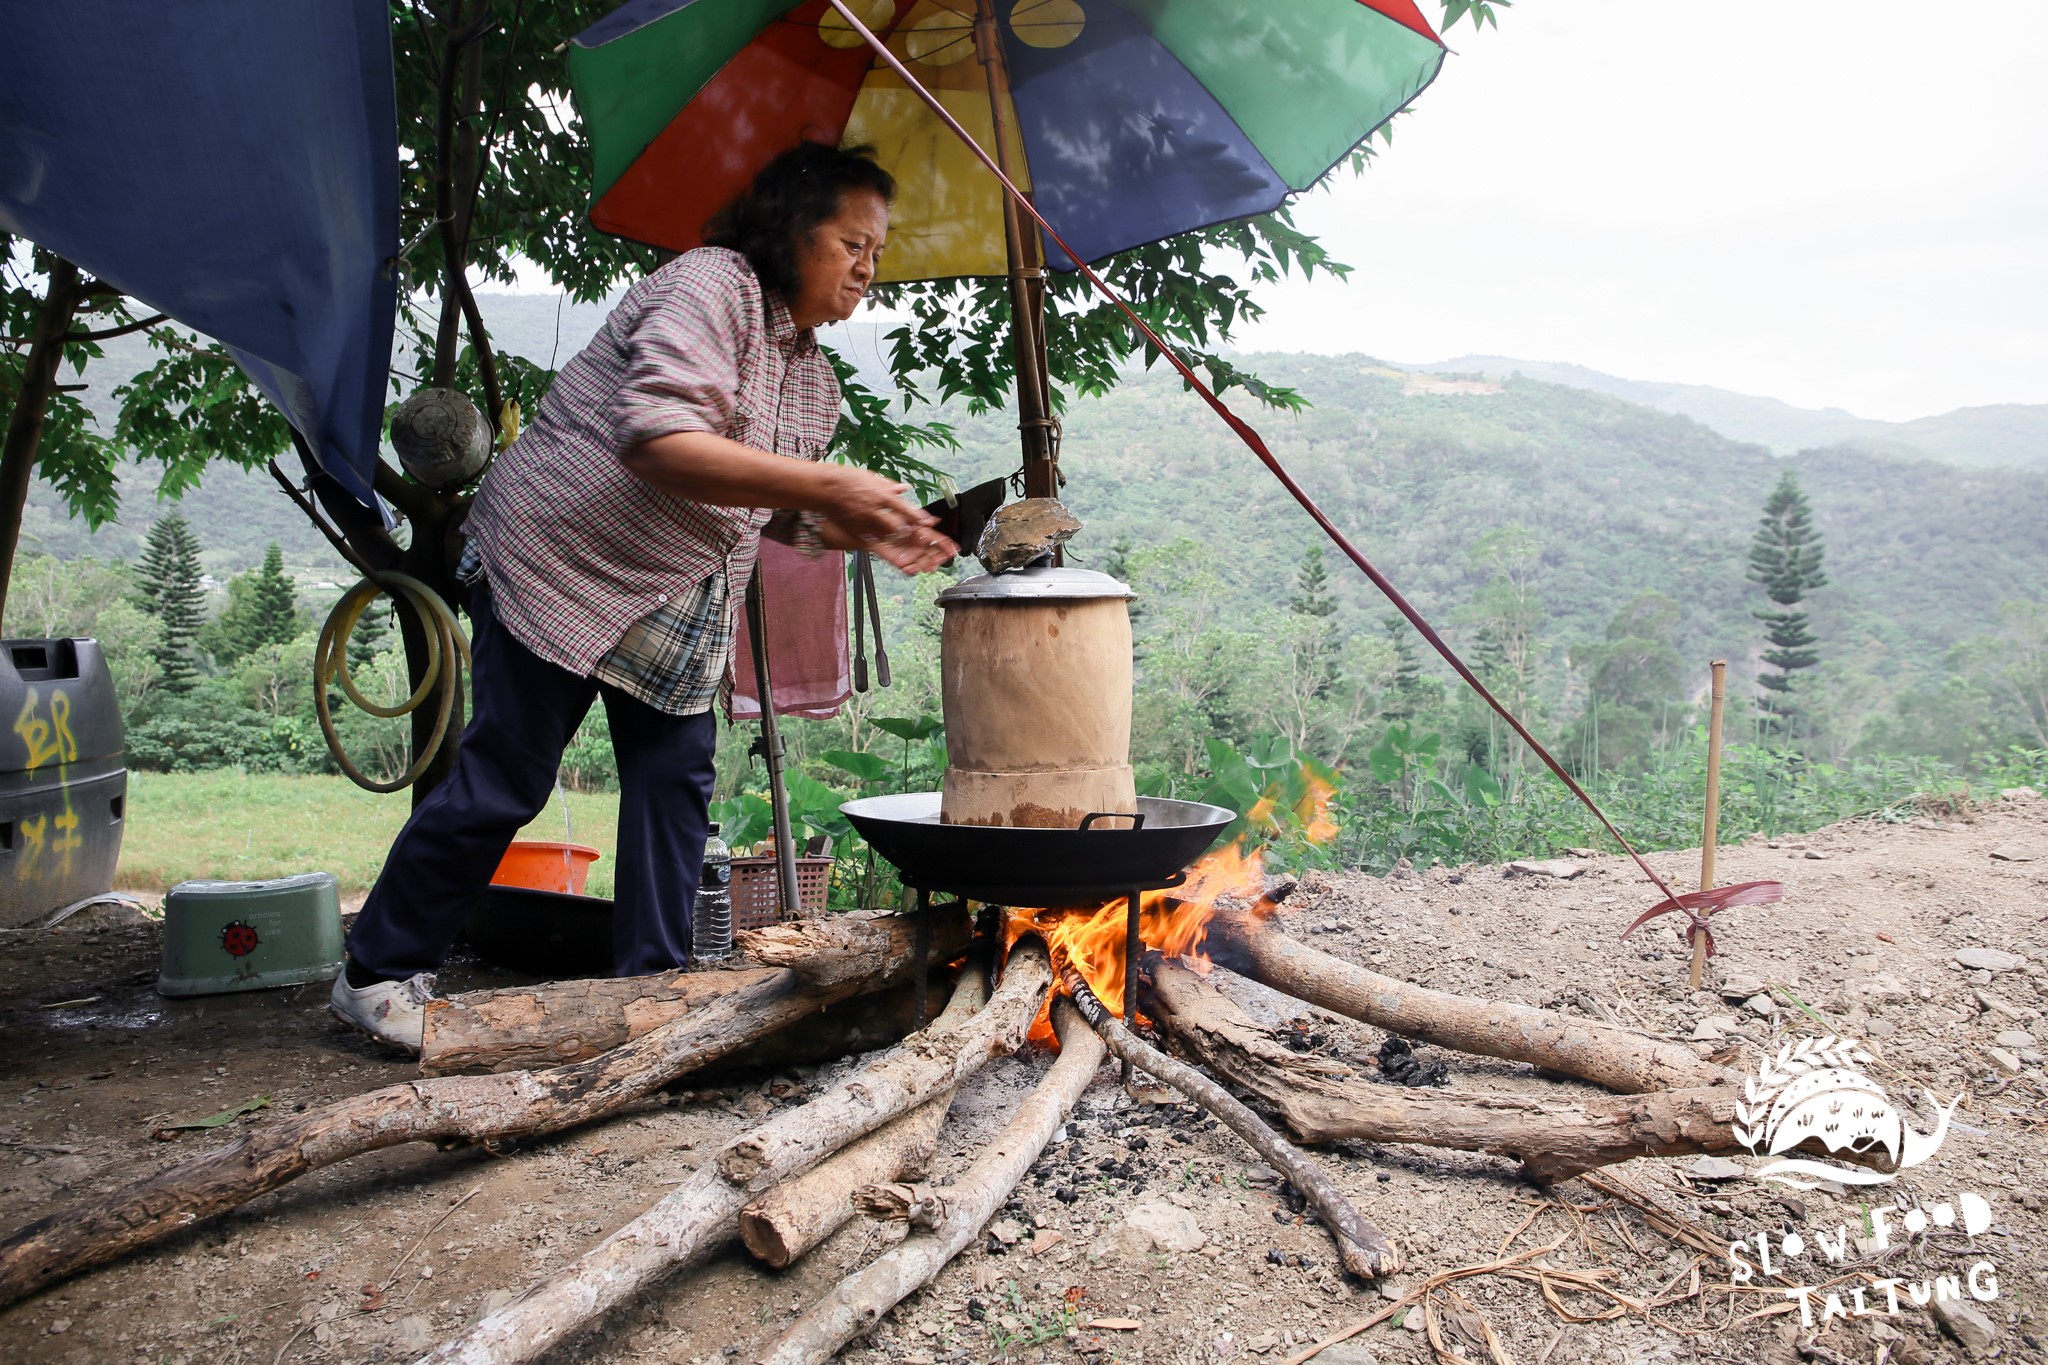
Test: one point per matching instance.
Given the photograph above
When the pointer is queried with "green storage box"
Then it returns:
(248, 936)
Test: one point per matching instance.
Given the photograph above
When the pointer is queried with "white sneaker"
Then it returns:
(393, 1012)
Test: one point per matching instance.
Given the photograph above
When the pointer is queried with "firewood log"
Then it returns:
(568, 1021)
(1362, 1247)
(798, 1214)
(1617, 1059)
(700, 1211)
(857, 1303)
(1324, 1101)
(462, 1110)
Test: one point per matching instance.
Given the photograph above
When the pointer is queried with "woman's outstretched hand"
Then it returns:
(866, 511)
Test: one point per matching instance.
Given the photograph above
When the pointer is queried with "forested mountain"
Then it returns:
(2014, 434)
(1620, 499)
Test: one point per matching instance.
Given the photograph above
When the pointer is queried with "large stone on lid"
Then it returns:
(1025, 533)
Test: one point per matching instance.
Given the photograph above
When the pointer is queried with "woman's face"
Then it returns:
(837, 262)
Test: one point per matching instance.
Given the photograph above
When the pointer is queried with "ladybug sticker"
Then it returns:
(239, 939)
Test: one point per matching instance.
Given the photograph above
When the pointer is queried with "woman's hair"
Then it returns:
(768, 220)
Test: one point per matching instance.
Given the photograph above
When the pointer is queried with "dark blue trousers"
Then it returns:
(525, 711)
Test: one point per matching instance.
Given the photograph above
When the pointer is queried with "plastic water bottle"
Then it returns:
(711, 925)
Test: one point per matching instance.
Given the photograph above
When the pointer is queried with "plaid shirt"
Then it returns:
(596, 570)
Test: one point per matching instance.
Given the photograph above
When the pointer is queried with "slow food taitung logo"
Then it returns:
(1815, 1089)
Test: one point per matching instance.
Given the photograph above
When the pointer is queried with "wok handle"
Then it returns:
(1136, 817)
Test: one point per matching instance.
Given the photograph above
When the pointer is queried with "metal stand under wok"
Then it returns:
(1134, 946)
(1014, 867)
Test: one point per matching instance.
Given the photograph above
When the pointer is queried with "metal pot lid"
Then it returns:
(1030, 585)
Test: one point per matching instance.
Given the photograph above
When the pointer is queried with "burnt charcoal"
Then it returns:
(977, 1310)
(1300, 1035)
(1400, 1066)
(1066, 1194)
(1140, 1143)
(995, 1245)
(1293, 1198)
(1275, 1256)
(1384, 1178)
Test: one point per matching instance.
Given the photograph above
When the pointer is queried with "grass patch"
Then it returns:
(235, 826)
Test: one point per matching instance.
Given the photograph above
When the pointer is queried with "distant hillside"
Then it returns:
(2013, 434)
(1625, 498)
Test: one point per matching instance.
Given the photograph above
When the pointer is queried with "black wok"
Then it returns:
(1106, 857)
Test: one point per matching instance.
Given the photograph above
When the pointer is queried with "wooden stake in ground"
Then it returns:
(701, 1210)
(1321, 1100)
(1713, 830)
(465, 1110)
(798, 1214)
(1363, 1248)
(859, 1301)
(1617, 1059)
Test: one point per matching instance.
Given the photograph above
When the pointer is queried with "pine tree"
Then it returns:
(1313, 599)
(168, 588)
(274, 618)
(1312, 587)
(371, 636)
(1407, 686)
(1785, 560)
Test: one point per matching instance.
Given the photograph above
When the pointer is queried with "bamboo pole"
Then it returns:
(1712, 832)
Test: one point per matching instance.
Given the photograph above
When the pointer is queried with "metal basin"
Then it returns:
(1032, 867)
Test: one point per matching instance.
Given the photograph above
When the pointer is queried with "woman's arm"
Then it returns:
(861, 510)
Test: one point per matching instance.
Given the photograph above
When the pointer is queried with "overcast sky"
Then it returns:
(1834, 204)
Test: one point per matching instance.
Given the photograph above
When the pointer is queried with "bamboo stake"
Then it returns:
(1708, 839)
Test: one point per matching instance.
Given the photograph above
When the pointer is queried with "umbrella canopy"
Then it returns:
(1127, 120)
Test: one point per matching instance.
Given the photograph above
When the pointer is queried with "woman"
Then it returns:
(608, 549)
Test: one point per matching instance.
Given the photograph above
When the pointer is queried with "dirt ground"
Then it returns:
(1865, 940)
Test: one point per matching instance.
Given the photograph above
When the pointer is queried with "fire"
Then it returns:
(1174, 921)
(1313, 810)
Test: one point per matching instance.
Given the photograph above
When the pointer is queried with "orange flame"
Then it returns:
(1174, 921)
(1313, 810)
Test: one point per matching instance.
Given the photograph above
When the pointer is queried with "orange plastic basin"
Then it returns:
(541, 865)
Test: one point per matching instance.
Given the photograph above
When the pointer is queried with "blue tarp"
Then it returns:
(233, 163)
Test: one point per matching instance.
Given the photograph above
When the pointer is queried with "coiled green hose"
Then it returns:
(441, 680)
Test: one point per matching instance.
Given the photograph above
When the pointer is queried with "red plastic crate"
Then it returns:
(755, 901)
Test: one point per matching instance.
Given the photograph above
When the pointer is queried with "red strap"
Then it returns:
(1257, 444)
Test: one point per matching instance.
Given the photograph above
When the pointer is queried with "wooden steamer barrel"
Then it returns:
(1036, 670)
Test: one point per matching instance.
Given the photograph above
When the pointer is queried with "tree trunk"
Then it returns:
(468, 1110)
(567, 1021)
(858, 1302)
(1615, 1058)
(25, 422)
(680, 1227)
(798, 1214)
(1325, 1101)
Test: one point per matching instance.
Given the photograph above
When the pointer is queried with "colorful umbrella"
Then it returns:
(1127, 120)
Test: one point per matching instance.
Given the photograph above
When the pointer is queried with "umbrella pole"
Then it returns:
(1027, 282)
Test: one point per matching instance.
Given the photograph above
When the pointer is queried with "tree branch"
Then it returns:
(108, 334)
